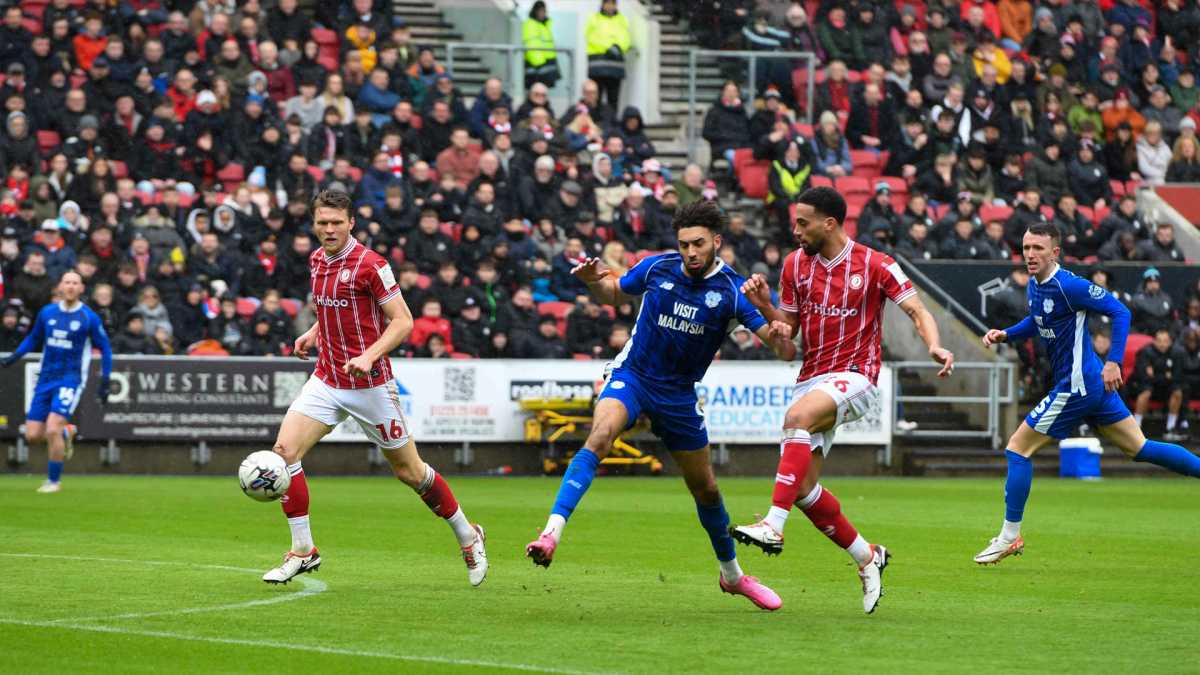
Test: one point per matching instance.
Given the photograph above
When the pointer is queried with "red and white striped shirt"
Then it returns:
(840, 303)
(348, 290)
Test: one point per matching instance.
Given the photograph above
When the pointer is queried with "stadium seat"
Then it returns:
(1047, 211)
(460, 355)
(246, 307)
(1101, 214)
(555, 308)
(1133, 343)
(317, 173)
(851, 185)
(326, 37)
(805, 130)
(582, 357)
(820, 181)
(119, 169)
(742, 157)
(48, 141)
(231, 176)
(940, 211)
(1131, 187)
(1088, 213)
(990, 212)
(1118, 188)
(754, 179)
(866, 163)
(291, 306)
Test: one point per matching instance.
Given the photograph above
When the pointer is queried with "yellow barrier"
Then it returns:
(552, 419)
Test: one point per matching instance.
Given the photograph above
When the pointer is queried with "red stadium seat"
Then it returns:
(32, 25)
(1088, 213)
(326, 37)
(1131, 187)
(48, 141)
(460, 355)
(423, 281)
(643, 254)
(898, 185)
(940, 211)
(1101, 214)
(291, 306)
(820, 181)
(1048, 211)
(328, 61)
(582, 357)
(119, 168)
(990, 212)
(317, 173)
(231, 176)
(742, 157)
(555, 308)
(1118, 188)
(1133, 343)
(246, 307)
(753, 178)
(850, 185)
(805, 130)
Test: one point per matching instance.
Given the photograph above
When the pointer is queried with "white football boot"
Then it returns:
(49, 488)
(999, 549)
(294, 564)
(475, 557)
(759, 534)
(872, 577)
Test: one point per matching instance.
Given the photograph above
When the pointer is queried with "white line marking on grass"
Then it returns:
(317, 587)
(311, 587)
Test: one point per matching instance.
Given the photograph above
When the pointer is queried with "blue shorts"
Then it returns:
(675, 413)
(59, 398)
(1061, 412)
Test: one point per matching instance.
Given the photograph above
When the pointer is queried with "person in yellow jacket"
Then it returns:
(988, 52)
(361, 38)
(608, 40)
(541, 64)
(787, 179)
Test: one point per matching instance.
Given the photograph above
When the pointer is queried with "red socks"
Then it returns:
(295, 502)
(826, 515)
(793, 466)
(436, 494)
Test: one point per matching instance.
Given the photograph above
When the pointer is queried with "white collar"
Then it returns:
(62, 304)
(839, 257)
(1048, 277)
(350, 242)
(718, 264)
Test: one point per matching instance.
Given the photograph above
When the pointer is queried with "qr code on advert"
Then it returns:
(287, 387)
(459, 384)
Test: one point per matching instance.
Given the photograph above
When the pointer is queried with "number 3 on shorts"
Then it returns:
(394, 431)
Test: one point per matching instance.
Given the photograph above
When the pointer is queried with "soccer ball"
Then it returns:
(264, 476)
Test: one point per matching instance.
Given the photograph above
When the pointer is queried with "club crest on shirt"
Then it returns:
(856, 281)
(712, 299)
(1095, 291)
(1047, 305)
(344, 276)
(74, 325)
(666, 285)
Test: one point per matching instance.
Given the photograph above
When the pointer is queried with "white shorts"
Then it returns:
(852, 392)
(377, 410)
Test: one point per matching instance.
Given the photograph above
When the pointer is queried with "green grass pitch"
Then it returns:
(162, 574)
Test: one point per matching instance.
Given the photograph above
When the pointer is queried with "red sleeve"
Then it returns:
(381, 280)
(787, 283)
(894, 281)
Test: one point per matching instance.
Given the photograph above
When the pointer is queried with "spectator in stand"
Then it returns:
(835, 36)
(726, 126)
(430, 322)
(975, 176)
(880, 209)
(940, 182)
(546, 343)
(588, 328)
(789, 176)
(916, 244)
(541, 62)
(869, 37)
(1158, 376)
(743, 346)
(1152, 308)
(1088, 179)
(471, 332)
(1047, 172)
(1078, 236)
(871, 125)
(460, 159)
(608, 40)
(1185, 162)
(1160, 110)
(831, 152)
(964, 243)
(565, 285)
(1162, 247)
(835, 94)
(133, 338)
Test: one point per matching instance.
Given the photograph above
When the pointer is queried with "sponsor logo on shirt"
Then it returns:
(325, 301)
(828, 310)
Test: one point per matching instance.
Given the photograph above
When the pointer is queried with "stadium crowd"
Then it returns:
(167, 150)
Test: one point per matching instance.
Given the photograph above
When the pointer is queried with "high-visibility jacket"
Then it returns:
(602, 34)
(537, 34)
(792, 183)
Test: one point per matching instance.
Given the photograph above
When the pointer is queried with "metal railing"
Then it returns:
(929, 286)
(515, 60)
(1001, 390)
(751, 84)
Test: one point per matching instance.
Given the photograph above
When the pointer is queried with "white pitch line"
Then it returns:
(318, 649)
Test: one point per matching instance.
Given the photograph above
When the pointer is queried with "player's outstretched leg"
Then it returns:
(1016, 493)
(608, 420)
(429, 485)
(696, 466)
(825, 512)
(56, 450)
(1169, 456)
(297, 434)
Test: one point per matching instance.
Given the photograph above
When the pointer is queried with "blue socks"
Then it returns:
(715, 520)
(575, 482)
(1170, 456)
(54, 471)
(1016, 488)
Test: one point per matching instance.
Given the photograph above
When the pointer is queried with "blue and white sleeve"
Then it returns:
(633, 282)
(1081, 293)
(100, 339)
(34, 340)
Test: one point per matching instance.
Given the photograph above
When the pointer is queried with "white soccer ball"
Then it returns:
(264, 476)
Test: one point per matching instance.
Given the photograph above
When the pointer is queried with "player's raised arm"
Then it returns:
(758, 292)
(400, 324)
(605, 287)
(928, 330)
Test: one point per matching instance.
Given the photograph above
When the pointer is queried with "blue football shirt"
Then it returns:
(682, 321)
(66, 339)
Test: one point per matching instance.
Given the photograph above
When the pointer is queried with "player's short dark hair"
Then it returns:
(334, 199)
(826, 201)
(1046, 229)
(702, 213)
